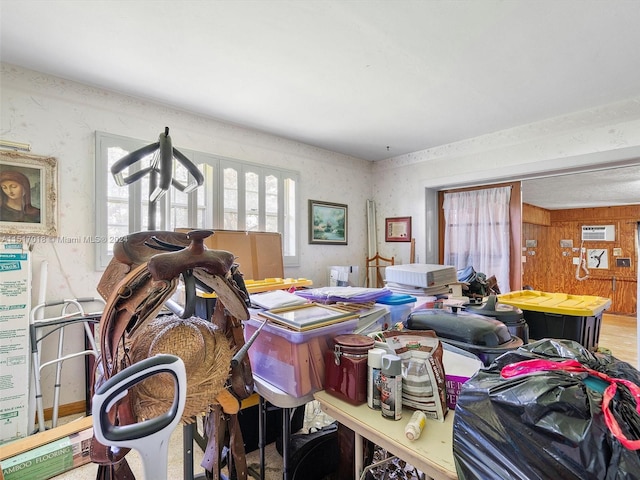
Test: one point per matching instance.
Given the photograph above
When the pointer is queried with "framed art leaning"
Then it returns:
(28, 195)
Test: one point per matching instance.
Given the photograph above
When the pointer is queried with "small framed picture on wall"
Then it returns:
(397, 229)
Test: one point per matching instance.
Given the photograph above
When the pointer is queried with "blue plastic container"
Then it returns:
(399, 305)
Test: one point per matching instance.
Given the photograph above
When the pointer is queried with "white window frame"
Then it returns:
(214, 201)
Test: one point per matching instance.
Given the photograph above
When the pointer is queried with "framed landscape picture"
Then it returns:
(328, 223)
(28, 195)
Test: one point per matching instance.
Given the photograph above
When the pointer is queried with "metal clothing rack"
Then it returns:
(39, 329)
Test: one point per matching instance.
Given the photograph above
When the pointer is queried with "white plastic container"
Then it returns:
(415, 426)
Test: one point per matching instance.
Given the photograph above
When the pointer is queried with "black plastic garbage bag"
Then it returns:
(547, 420)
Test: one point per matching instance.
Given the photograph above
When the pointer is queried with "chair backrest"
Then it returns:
(375, 266)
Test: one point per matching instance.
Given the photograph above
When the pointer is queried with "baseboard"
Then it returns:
(66, 410)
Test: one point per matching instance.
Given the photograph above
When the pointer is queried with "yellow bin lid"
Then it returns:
(560, 303)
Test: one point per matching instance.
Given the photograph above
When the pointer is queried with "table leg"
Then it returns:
(286, 434)
(187, 448)
(262, 433)
(358, 453)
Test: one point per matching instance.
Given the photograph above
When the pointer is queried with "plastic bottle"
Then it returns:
(416, 425)
(374, 363)
(391, 387)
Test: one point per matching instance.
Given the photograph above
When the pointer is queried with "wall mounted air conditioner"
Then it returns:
(602, 233)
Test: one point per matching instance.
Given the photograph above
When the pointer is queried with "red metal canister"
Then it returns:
(346, 368)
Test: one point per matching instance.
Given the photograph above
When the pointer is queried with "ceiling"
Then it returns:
(370, 79)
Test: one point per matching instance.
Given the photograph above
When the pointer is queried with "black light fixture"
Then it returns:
(160, 171)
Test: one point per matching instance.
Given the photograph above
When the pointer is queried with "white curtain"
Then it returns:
(477, 232)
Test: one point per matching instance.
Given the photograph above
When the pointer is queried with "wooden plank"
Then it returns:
(66, 410)
(38, 439)
(535, 215)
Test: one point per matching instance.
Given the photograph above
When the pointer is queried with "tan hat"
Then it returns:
(206, 353)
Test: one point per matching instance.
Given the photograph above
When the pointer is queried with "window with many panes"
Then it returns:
(236, 195)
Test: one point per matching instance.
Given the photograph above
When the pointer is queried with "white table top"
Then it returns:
(431, 453)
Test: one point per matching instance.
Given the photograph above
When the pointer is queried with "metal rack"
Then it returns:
(39, 329)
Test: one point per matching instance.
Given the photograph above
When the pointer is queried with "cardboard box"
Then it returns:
(259, 254)
(47, 454)
(15, 308)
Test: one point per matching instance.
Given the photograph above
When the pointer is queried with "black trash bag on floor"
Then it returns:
(547, 424)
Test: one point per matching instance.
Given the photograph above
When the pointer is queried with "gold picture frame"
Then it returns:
(28, 195)
(306, 317)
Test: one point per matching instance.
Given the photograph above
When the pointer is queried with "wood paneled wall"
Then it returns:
(549, 266)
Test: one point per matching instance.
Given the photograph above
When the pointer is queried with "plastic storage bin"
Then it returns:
(511, 316)
(293, 361)
(399, 306)
(560, 315)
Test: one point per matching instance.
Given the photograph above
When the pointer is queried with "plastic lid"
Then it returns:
(463, 326)
(412, 432)
(391, 365)
(375, 357)
(561, 303)
(396, 299)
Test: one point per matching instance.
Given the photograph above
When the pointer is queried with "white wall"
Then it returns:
(59, 118)
(603, 136)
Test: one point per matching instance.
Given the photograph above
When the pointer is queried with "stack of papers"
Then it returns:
(344, 294)
(421, 279)
(418, 291)
(421, 275)
(276, 299)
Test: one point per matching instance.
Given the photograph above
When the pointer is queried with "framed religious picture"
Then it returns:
(397, 229)
(28, 195)
(327, 223)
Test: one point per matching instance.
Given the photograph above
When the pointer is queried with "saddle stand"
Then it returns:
(137, 285)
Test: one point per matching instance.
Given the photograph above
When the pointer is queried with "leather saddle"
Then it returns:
(137, 284)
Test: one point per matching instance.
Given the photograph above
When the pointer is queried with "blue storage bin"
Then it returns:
(399, 305)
